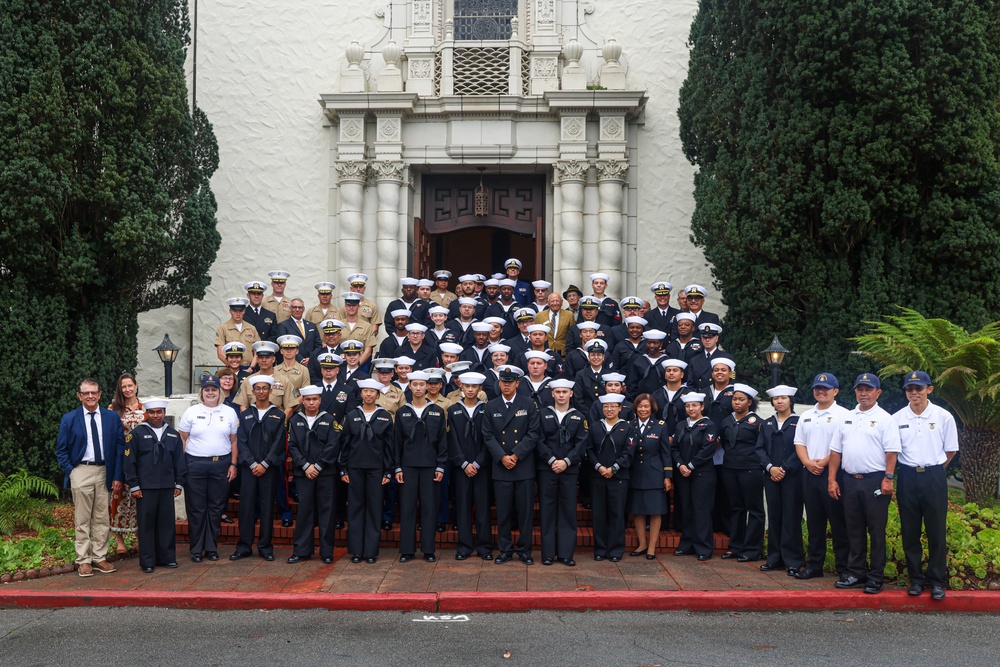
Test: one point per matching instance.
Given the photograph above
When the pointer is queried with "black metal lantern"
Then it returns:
(775, 356)
(168, 354)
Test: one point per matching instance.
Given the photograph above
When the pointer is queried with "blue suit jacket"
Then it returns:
(71, 443)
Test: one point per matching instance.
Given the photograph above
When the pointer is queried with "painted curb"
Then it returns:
(221, 600)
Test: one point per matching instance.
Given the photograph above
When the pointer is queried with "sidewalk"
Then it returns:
(464, 586)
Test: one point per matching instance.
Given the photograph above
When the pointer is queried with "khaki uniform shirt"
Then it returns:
(362, 331)
(392, 399)
(283, 308)
(294, 378)
(316, 314)
(457, 396)
(444, 402)
(367, 311)
(443, 299)
(282, 395)
(228, 333)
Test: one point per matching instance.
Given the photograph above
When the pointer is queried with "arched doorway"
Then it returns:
(452, 236)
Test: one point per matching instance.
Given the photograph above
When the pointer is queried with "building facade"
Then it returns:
(401, 137)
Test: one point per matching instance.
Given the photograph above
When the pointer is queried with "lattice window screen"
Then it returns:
(482, 71)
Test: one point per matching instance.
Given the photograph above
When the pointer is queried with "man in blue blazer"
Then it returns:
(90, 449)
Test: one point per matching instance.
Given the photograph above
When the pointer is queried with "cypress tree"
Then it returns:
(847, 160)
(105, 205)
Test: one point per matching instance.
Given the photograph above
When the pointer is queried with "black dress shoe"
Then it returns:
(596, 557)
(704, 558)
(339, 525)
(915, 589)
(196, 558)
(745, 559)
(547, 561)
(270, 557)
(502, 558)
(171, 564)
(637, 552)
(650, 556)
(850, 582)
(239, 555)
(356, 558)
(405, 558)
(461, 556)
(527, 560)
(681, 552)
(614, 559)
(328, 560)
(873, 587)
(212, 555)
(792, 571)
(387, 525)
(806, 573)
(937, 593)
(430, 558)
(286, 523)
(371, 560)
(293, 559)
(770, 567)
(226, 519)
(147, 570)
(441, 527)
(569, 562)
(486, 556)
(728, 555)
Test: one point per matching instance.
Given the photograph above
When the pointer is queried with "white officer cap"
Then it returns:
(541, 284)
(654, 334)
(155, 404)
(498, 347)
(745, 389)
(265, 347)
(710, 328)
(238, 303)
(330, 360)
(562, 384)
(325, 287)
(611, 398)
(401, 312)
(535, 354)
(435, 374)
(279, 276)
(631, 302)
(509, 373)
(255, 286)
(350, 297)
(472, 378)
(613, 377)
(416, 326)
(459, 366)
(589, 302)
(512, 262)
(532, 328)
(404, 361)
(357, 279)
(310, 390)
(588, 325)
(234, 348)
(450, 348)
(442, 275)
(695, 289)
(386, 365)
(636, 320)
(482, 327)
(352, 346)
(596, 345)
(368, 383)
(289, 340)
(409, 282)
(258, 379)
(331, 326)
(525, 314)
(724, 361)
(782, 390)
(693, 397)
(661, 288)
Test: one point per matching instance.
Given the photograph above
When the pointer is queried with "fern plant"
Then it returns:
(20, 505)
(965, 369)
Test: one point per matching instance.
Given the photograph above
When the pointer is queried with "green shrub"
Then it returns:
(18, 505)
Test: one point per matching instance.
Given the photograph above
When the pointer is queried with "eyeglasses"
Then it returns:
(262, 389)
(89, 393)
(298, 307)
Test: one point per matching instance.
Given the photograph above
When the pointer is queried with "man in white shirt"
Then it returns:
(929, 439)
(815, 430)
(866, 447)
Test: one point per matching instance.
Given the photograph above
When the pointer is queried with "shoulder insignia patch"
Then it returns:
(128, 437)
(128, 452)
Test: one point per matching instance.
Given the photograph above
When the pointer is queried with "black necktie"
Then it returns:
(507, 403)
(96, 435)
(329, 389)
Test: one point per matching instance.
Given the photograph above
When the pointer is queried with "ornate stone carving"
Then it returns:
(545, 67)
(570, 170)
(421, 15)
(352, 130)
(612, 129)
(389, 129)
(545, 15)
(612, 170)
(387, 170)
(421, 68)
(574, 128)
(350, 170)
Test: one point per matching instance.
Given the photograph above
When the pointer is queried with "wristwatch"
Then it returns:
(889, 476)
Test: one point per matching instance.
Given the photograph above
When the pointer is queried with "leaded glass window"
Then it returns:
(484, 19)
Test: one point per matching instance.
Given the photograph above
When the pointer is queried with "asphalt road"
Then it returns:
(149, 637)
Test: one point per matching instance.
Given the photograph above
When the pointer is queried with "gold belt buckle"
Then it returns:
(215, 458)
(858, 476)
(920, 469)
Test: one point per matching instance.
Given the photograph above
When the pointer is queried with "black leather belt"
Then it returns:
(921, 468)
(90, 463)
(866, 474)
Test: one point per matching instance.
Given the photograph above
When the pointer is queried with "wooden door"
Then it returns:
(421, 250)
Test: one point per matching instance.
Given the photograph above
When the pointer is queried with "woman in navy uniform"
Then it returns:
(650, 476)
(782, 483)
(155, 470)
(561, 449)
(692, 448)
(743, 476)
(421, 453)
(314, 445)
(260, 455)
(366, 460)
(610, 446)
(472, 470)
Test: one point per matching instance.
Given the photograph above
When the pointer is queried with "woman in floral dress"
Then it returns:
(126, 404)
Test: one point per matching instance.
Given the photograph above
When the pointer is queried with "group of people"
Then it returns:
(481, 397)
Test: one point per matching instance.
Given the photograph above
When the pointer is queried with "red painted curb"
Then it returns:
(707, 601)
(221, 600)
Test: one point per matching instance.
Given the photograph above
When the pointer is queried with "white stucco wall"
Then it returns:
(260, 70)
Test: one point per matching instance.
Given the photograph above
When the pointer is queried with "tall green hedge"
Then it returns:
(105, 205)
(847, 159)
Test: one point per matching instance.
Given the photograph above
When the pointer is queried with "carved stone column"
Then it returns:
(351, 183)
(570, 176)
(388, 177)
(611, 177)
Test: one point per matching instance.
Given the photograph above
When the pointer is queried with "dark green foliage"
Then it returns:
(19, 506)
(847, 160)
(105, 205)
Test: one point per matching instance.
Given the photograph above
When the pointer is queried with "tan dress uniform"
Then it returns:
(228, 333)
(316, 314)
(283, 308)
(282, 396)
(443, 299)
(362, 332)
(457, 397)
(367, 311)
(444, 402)
(391, 398)
(292, 378)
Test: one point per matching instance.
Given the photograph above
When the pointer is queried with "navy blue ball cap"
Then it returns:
(869, 379)
(918, 378)
(826, 380)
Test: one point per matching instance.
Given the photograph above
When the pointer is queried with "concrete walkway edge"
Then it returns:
(468, 602)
